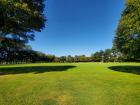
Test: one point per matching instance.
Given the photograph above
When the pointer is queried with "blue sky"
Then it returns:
(77, 27)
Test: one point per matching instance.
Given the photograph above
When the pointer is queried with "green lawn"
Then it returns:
(70, 84)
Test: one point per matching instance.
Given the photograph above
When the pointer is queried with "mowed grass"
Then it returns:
(70, 84)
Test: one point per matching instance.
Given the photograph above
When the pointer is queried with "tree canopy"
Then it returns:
(19, 19)
(127, 39)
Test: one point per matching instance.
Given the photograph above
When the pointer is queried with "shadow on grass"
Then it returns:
(33, 69)
(128, 69)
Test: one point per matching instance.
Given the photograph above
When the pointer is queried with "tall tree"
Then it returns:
(127, 39)
(19, 19)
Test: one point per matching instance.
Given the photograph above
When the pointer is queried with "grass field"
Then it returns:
(70, 84)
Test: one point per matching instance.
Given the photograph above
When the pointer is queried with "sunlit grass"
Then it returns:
(70, 84)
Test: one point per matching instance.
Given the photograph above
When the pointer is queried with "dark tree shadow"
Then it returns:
(33, 69)
(128, 69)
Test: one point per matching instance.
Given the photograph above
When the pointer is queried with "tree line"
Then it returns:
(107, 55)
(27, 55)
(24, 55)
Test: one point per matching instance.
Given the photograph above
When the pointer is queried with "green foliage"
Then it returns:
(69, 58)
(127, 39)
(107, 55)
(76, 58)
(23, 55)
(97, 56)
(26, 55)
(19, 19)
